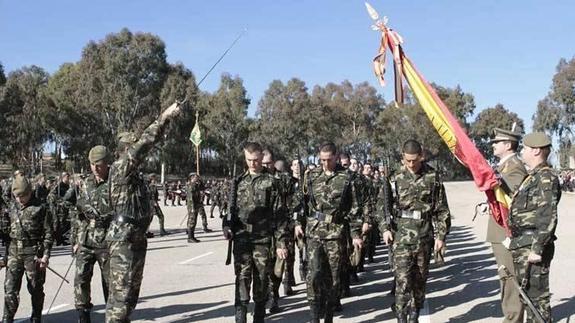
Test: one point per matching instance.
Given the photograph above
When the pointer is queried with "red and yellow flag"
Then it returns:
(443, 121)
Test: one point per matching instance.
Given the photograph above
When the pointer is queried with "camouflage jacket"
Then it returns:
(154, 193)
(383, 212)
(129, 197)
(93, 213)
(533, 216)
(31, 223)
(194, 194)
(332, 202)
(256, 217)
(423, 193)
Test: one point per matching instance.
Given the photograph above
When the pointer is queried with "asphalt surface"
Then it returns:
(189, 282)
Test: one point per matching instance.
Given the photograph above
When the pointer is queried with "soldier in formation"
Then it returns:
(421, 210)
(195, 206)
(512, 172)
(533, 221)
(254, 223)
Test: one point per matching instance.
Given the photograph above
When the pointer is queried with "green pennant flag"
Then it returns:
(196, 136)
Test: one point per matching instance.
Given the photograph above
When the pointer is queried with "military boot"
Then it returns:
(241, 313)
(288, 291)
(84, 316)
(259, 312)
(274, 305)
(206, 230)
(192, 238)
(401, 316)
(414, 315)
(314, 312)
(328, 316)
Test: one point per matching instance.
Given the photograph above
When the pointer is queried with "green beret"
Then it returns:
(98, 153)
(505, 135)
(127, 137)
(537, 140)
(21, 185)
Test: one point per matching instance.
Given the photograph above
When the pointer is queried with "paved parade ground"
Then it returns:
(190, 283)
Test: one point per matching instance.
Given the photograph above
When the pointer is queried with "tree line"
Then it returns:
(123, 81)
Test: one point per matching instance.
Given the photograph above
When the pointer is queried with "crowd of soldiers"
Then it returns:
(337, 213)
(331, 216)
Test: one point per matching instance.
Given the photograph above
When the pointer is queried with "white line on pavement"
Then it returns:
(44, 312)
(197, 257)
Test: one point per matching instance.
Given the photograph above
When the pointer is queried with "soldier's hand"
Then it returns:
(43, 262)
(298, 232)
(438, 245)
(75, 249)
(357, 242)
(172, 111)
(281, 253)
(228, 233)
(387, 237)
(365, 228)
(533, 258)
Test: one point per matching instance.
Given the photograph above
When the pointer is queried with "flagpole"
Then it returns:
(198, 159)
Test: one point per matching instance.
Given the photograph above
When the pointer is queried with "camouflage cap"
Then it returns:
(127, 137)
(537, 140)
(21, 185)
(98, 153)
(505, 135)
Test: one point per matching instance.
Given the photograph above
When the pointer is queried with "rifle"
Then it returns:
(301, 243)
(230, 219)
(506, 275)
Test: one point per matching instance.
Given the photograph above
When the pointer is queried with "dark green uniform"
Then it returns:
(255, 222)
(91, 222)
(533, 220)
(195, 207)
(422, 211)
(31, 238)
(132, 215)
(332, 210)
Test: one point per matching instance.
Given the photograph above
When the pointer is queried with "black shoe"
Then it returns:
(259, 312)
(206, 230)
(337, 307)
(84, 316)
(314, 313)
(163, 233)
(211, 216)
(149, 235)
(193, 240)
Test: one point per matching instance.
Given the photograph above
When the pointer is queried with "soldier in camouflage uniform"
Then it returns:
(41, 191)
(422, 210)
(156, 210)
(253, 222)
(31, 235)
(332, 206)
(130, 202)
(216, 197)
(60, 207)
(512, 172)
(90, 223)
(533, 220)
(278, 266)
(195, 206)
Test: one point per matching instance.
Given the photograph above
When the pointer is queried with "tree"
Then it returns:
(121, 77)
(224, 120)
(2, 75)
(283, 118)
(23, 105)
(556, 112)
(489, 119)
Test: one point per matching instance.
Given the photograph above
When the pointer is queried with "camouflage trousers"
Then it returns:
(22, 260)
(323, 275)
(251, 262)
(285, 266)
(193, 217)
(215, 202)
(157, 211)
(127, 260)
(538, 280)
(86, 258)
(411, 267)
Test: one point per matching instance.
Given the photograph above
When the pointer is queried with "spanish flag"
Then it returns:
(443, 121)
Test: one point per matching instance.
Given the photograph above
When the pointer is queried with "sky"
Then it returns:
(500, 51)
